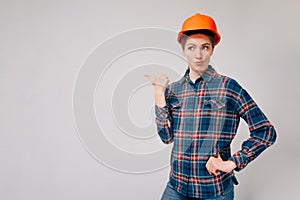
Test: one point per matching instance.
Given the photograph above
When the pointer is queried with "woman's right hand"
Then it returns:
(159, 82)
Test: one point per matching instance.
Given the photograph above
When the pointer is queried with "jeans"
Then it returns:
(171, 194)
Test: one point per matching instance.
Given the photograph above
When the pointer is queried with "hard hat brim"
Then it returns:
(217, 36)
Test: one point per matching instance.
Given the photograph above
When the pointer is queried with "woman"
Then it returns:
(200, 114)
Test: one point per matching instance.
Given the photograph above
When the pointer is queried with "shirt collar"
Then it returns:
(207, 75)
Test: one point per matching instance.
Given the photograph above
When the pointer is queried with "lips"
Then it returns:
(199, 62)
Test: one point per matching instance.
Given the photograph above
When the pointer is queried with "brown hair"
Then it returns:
(186, 35)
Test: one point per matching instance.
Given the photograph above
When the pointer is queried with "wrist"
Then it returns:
(231, 164)
(160, 100)
(159, 92)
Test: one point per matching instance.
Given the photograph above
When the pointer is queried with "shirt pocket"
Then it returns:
(175, 107)
(175, 115)
(215, 104)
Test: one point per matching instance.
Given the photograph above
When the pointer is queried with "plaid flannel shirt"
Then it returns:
(201, 119)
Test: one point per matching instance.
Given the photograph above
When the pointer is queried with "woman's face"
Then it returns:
(198, 50)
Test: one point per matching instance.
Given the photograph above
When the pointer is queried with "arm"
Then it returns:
(162, 119)
(262, 132)
(262, 135)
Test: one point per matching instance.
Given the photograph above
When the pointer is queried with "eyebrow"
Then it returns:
(201, 44)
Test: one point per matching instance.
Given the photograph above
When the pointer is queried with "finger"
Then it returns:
(209, 171)
(163, 78)
(216, 172)
(166, 81)
(148, 76)
(209, 167)
(212, 170)
(162, 74)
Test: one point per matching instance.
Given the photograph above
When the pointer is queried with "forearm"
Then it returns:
(164, 129)
(163, 123)
(262, 132)
(259, 140)
(163, 119)
(159, 97)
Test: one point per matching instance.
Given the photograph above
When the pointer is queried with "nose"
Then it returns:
(198, 53)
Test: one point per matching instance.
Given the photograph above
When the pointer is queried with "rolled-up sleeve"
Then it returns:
(163, 121)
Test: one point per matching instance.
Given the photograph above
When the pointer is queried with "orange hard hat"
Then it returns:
(200, 22)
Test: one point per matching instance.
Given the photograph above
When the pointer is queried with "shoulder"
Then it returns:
(229, 83)
(175, 86)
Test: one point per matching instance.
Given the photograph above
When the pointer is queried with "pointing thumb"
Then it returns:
(148, 76)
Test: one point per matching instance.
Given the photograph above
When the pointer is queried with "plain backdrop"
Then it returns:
(42, 47)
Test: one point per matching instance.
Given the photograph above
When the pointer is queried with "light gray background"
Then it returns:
(43, 45)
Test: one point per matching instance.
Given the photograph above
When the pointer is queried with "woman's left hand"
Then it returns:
(215, 165)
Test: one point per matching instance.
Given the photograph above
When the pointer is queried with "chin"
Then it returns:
(201, 68)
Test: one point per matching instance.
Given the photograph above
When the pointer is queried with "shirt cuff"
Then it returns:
(161, 114)
(240, 160)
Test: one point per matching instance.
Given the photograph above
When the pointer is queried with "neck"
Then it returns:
(194, 75)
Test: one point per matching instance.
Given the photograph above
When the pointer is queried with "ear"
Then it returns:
(212, 52)
(183, 52)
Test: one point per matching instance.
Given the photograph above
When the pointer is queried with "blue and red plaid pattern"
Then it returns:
(201, 119)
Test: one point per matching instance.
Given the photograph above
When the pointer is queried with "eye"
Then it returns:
(191, 48)
(205, 48)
